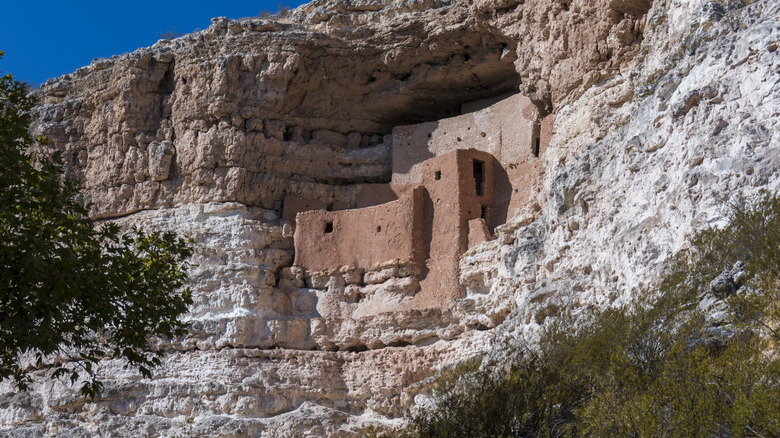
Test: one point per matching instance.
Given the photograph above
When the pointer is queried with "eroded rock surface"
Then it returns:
(663, 111)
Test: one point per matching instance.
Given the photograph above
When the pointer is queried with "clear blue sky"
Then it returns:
(45, 39)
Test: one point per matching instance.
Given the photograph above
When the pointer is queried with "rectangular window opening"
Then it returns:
(484, 212)
(437, 175)
(479, 176)
(329, 207)
(328, 227)
(537, 145)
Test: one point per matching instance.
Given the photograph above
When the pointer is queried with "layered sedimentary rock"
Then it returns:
(657, 114)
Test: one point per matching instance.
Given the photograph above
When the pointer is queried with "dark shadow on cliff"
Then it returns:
(502, 193)
(427, 233)
(403, 162)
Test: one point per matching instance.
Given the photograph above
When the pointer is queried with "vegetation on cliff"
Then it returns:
(72, 293)
(697, 357)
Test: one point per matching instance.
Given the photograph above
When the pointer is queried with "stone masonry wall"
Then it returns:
(361, 238)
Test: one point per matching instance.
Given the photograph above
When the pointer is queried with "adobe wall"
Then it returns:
(451, 201)
(326, 240)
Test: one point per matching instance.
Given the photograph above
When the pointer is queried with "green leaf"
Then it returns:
(67, 285)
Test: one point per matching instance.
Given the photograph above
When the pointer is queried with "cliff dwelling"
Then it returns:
(453, 182)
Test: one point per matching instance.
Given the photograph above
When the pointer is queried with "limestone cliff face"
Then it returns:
(663, 111)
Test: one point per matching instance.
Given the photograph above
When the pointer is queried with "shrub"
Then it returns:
(282, 12)
(170, 34)
(661, 366)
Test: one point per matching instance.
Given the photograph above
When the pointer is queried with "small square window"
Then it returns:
(329, 227)
(437, 175)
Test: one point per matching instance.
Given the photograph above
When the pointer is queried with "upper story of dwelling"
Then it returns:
(510, 128)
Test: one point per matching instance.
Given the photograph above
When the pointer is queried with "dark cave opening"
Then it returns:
(411, 87)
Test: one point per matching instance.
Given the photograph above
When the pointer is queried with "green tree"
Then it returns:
(69, 290)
